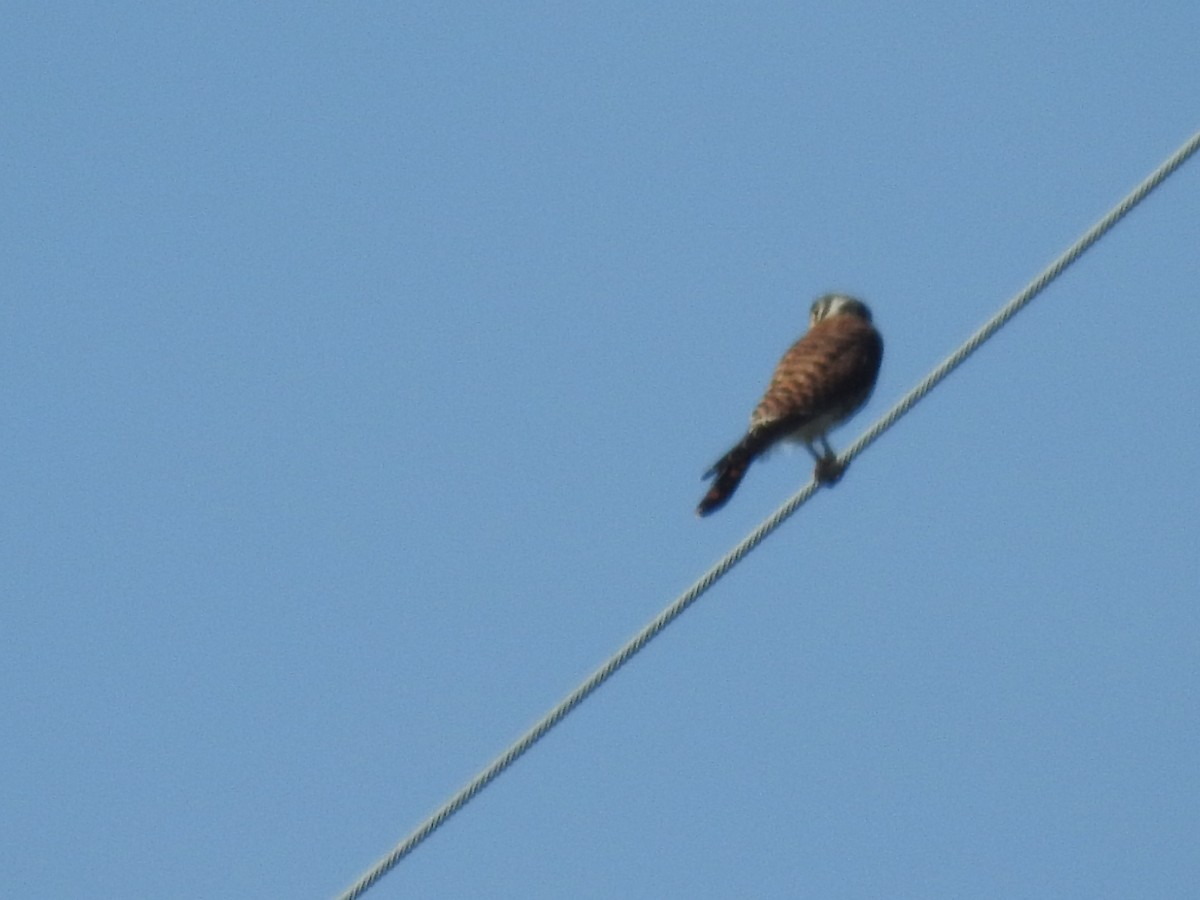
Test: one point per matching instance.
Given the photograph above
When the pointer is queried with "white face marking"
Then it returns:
(837, 305)
(832, 305)
(819, 310)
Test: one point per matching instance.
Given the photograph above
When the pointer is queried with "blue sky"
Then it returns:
(360, 363)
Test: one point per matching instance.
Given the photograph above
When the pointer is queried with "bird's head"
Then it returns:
(837, 305)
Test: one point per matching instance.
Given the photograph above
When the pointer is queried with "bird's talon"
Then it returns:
(828, 471)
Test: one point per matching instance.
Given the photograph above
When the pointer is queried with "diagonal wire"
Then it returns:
(692, 594)
(1019, 302)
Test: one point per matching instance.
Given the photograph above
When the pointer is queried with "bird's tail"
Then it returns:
(729, 471)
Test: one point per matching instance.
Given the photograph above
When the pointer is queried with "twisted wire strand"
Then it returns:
(1021, 300)
(693, 593)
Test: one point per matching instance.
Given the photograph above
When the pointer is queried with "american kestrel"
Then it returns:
(824, 379)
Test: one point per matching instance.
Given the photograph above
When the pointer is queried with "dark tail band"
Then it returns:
(729, 471)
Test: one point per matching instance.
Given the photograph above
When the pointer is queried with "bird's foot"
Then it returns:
(828, 471)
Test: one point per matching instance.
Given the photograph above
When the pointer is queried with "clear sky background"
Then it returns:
(359, 365)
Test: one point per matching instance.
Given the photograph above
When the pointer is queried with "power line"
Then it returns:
(1021, 300)
(692, 594)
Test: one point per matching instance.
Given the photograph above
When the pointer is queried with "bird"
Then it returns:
(822, 380)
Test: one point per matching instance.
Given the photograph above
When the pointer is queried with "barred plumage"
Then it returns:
(821, 381)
